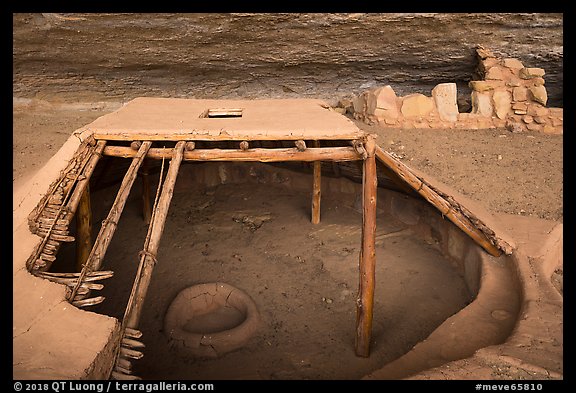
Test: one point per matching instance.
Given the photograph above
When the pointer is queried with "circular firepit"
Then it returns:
(209, 320)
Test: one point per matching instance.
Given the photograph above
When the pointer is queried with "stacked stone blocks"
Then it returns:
(507, 95)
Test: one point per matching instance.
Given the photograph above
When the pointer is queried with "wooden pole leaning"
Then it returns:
(367, 263)
(432, 196)
(316, 188)
(83, 229)
(155, 230)
(129, 346)
(109, 225)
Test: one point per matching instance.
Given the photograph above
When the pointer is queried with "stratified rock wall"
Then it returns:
(120, 56)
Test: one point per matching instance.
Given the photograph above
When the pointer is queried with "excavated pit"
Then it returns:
(248, 224)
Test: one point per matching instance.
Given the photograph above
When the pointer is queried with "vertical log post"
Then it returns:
(108, 227)
(155, 230)
(367, 264)
(146, 206)
(83, 229)
(81, 184)
(316, 188)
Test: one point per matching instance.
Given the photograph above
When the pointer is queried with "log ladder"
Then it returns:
(303, 130)
(69, 197)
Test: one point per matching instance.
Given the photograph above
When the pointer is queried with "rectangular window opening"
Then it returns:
(220, 113)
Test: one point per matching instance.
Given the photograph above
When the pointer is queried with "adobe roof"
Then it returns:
(184, 119)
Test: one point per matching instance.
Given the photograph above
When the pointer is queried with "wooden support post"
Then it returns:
(155, 230)
(78, 192)
(365, 301)
(316, 188)
(83, 229)
(109, 225)
(146, 204)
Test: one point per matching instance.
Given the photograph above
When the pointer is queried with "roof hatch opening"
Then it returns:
(219, 113)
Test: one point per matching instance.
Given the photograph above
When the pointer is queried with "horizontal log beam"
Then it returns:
(261, 155)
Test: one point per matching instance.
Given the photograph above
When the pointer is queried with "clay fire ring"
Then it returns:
(209, 320)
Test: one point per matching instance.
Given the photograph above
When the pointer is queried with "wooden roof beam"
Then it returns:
(257, 154)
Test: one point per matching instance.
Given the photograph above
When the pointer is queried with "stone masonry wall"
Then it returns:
(507, 94)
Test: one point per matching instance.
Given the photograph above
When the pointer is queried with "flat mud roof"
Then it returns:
(188, 119)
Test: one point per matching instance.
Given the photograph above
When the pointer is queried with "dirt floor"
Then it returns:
(305, 280)
(302, 277)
